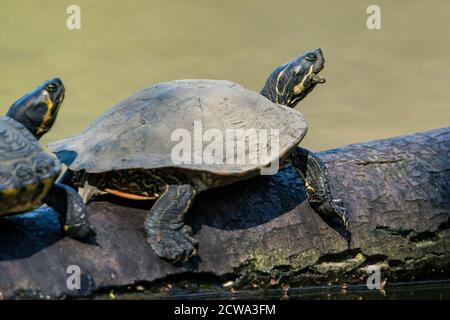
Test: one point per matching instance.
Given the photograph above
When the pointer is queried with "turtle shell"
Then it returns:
(140, 132)
(26, 171)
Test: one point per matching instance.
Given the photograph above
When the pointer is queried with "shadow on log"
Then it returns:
(261, 232)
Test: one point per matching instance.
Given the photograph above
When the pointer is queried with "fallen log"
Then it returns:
(259, 233)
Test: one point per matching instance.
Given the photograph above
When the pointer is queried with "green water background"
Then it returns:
(380, 83)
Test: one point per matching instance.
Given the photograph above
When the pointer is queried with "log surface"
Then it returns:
(397, 192)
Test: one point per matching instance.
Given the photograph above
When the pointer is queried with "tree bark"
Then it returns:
(260, 232)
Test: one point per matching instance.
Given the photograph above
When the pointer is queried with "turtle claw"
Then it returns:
(344, 218)
(166, 232)
(175, 245)
(332, 208)
(340, 211)
(82, 231)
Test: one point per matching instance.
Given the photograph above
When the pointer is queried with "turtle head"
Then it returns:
(291, 82)
(38, 109)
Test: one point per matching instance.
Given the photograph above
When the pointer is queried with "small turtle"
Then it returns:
(27, 172)
(129, 151)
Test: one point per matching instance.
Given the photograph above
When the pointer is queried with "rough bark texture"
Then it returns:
(260, 232)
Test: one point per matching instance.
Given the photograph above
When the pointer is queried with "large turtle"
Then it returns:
(135, 150)
(27, 172)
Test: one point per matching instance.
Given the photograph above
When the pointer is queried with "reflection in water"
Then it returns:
(401, 291)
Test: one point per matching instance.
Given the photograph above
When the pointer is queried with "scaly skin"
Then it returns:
(27, 173)
(74, 217)
(164, 225)
(288, 85)
(315, 178)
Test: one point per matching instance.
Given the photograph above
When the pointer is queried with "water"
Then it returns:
(439, 290)
(380, 83)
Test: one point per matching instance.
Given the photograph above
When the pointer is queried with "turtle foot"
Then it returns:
(172, 242)
(76, 223)
(78, 227)
(166, 232)
(332, 207)
(315, 176)
(74, 216)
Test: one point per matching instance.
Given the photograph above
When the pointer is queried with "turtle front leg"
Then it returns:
(68, 203)
(315, 177)
(164, 225)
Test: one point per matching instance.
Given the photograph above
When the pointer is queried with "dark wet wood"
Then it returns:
(397, 192)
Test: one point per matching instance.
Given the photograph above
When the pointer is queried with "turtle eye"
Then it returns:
(51, 87)
(311, 57)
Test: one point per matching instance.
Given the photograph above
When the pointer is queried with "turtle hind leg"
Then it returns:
(164, 225)
(315, 177)
(67, 202)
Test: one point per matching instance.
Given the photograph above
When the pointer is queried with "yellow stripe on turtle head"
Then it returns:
(280, 74)
(48, 114)
(300, 87)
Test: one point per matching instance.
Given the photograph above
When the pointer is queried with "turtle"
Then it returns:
(133, 150)
(27, 172)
